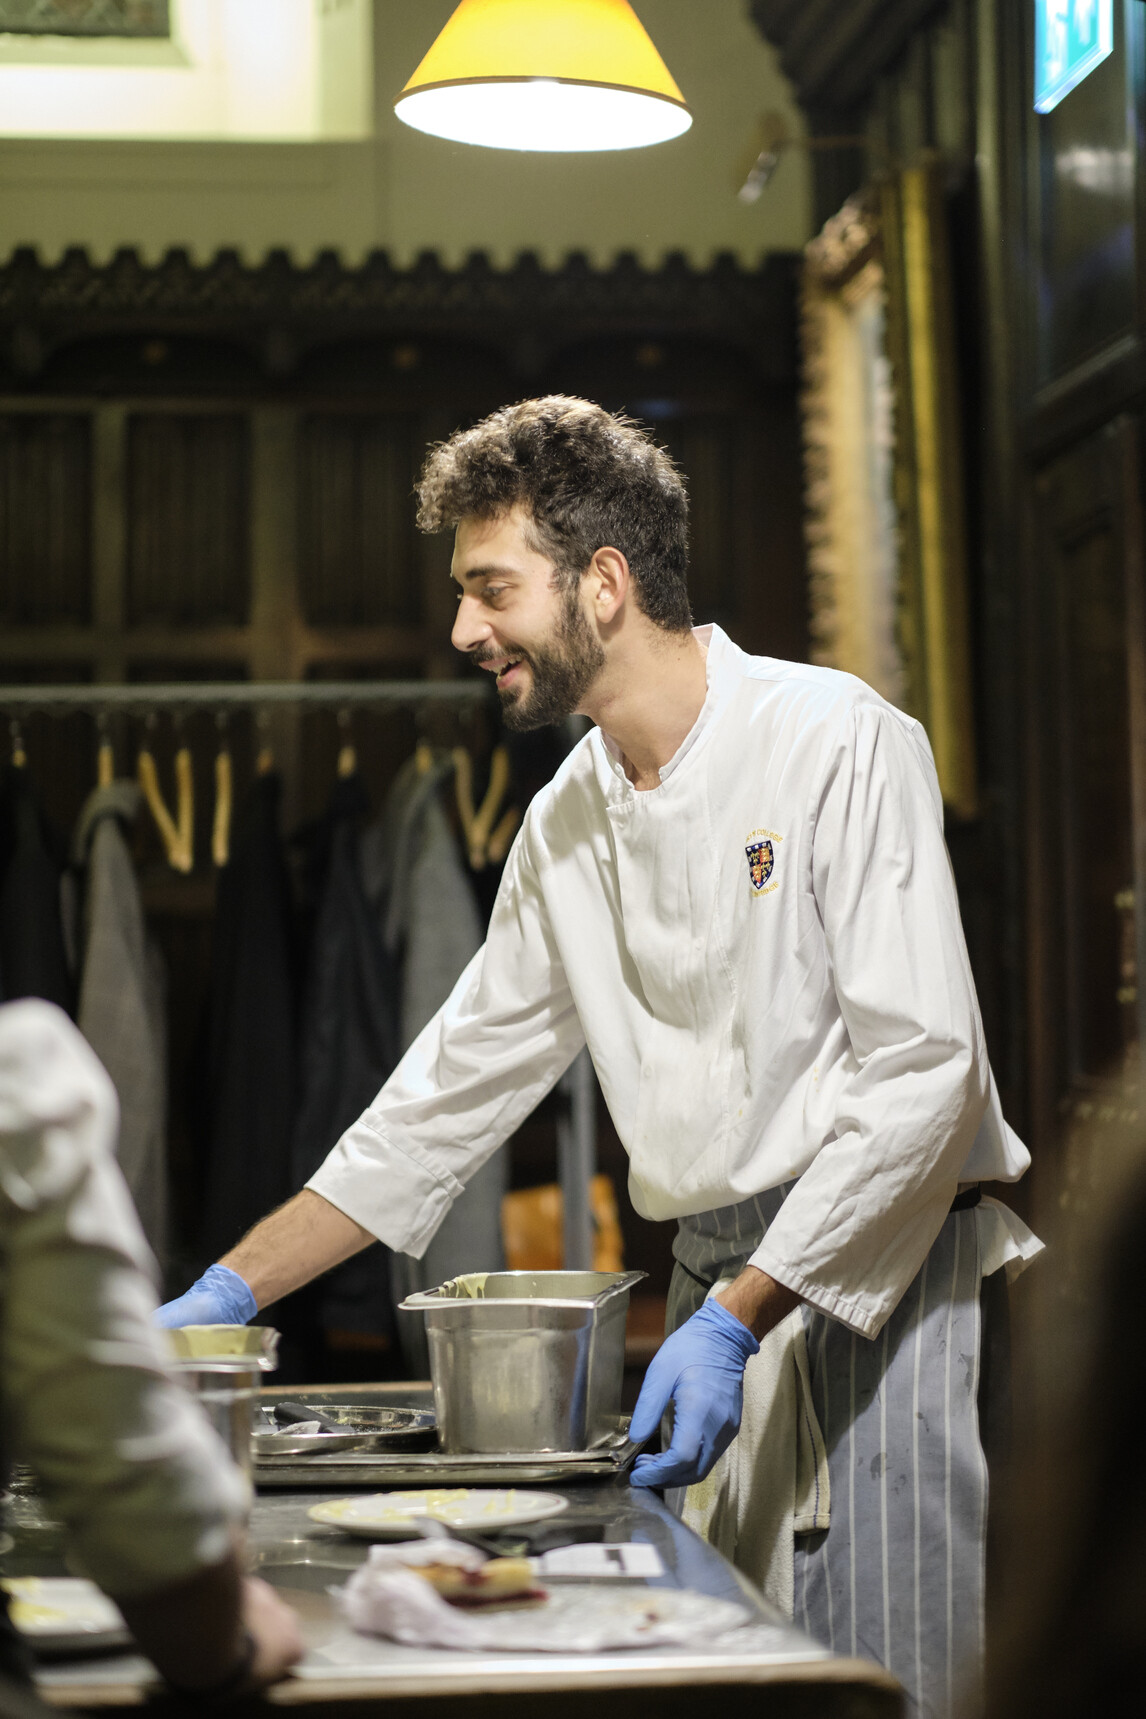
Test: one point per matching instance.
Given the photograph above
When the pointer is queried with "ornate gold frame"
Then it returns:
(889, 601)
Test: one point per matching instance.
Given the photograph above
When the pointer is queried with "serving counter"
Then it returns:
(343, 1670)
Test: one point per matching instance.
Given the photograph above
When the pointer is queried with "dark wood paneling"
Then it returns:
(1085, 868)
(1076, 405)
(1089, 840)
(357, 538)
(188, 526)
(45, 514)
(1082, 241)
(834, 50)
(1127, 434)
(746, 523)
(705, 450)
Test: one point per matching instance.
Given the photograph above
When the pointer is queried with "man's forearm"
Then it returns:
(758, 1301)
(294, 1244)
(196, 1630)
(192, 1629)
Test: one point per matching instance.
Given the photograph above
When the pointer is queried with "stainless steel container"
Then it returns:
(526, 1361)
(226, 1391)
(223, 1366)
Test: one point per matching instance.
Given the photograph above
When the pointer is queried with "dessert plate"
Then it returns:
(64, 1614)
(394, 1515)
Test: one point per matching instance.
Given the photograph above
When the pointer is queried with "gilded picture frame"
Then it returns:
(883, 459)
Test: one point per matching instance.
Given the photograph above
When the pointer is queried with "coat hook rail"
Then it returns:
(142, 699)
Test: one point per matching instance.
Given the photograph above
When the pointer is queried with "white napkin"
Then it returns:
(386, 1597)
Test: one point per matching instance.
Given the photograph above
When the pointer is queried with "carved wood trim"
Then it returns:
(835, 50)
(282, 310)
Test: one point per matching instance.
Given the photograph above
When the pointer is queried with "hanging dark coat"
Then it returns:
(250, 1072)
(33, 958)
(349, 1040)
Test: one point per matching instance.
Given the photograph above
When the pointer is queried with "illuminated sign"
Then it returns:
(1071, 38)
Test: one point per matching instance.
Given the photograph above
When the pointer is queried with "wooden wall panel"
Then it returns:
(1080, 516)
(1082, 197)
(357, 552)
(705, 449)
(45, 479)
(188, 534)
(1086, 775)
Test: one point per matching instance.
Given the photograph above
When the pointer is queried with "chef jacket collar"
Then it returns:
(719, 670)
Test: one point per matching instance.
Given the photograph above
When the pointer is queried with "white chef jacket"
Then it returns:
(765, 957)
(143, 1484)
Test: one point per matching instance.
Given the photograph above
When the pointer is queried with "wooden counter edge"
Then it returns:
(295, 1692)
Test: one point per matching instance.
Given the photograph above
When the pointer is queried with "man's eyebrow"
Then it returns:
(479, 573)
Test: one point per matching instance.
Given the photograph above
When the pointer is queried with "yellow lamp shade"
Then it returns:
(545, 75)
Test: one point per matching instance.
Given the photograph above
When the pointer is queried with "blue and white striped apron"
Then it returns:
(899, 1577)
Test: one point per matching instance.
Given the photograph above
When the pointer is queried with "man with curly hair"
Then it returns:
(736, 892)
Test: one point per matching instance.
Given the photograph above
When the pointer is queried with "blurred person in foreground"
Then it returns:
(1068, 1632)
(150, 1500)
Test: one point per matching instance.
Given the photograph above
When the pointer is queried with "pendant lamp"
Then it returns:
(545, 75)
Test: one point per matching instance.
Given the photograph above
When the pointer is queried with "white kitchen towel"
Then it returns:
(772, 1482)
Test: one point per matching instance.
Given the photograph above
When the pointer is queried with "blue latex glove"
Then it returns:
(221, 1297)
(700, 1369)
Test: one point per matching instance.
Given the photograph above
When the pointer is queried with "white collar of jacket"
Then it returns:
(721, 664)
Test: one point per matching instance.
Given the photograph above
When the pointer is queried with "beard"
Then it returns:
(561, 673)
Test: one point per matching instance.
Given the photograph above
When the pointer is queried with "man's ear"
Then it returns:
(607, 584)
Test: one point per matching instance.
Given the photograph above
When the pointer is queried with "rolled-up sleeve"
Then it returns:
(858, 1224)
(145, 1489)
(499, 1043)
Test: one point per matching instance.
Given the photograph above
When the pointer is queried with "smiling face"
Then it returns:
(519, 625)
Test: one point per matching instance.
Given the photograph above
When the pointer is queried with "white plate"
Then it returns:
(63, 1613)
(390, 1515)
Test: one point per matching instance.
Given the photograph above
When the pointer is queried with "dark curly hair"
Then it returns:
(587, 478)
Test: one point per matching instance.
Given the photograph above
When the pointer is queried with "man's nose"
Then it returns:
(471, 628)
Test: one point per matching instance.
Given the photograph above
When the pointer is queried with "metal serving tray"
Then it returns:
(612, 1456)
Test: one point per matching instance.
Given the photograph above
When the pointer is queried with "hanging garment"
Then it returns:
(534, 759)
(122, 1004)
(349, 1039)
(33, 959)
(250, 1075)
(413, 873)
(414, 876)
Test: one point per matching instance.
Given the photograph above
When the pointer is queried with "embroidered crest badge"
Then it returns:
(761, 859)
